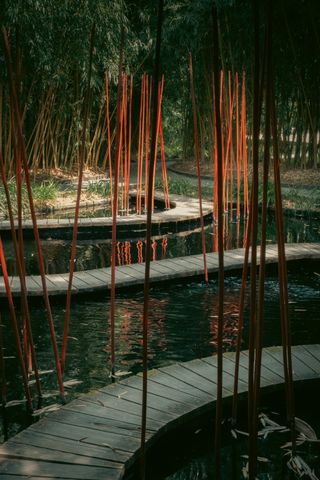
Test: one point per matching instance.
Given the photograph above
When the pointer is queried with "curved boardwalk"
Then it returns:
(90, 281)
(184, 211)
(98, 435)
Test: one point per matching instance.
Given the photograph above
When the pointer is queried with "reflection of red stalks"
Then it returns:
(139, 249)
(164, 247)
(230, 330)
(127, 249)
(154, 250)
(119, 253)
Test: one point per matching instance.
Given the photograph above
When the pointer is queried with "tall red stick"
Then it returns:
(22, 146)
(196, 152)
(77, 208)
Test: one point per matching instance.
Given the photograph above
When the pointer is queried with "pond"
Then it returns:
(182, 327)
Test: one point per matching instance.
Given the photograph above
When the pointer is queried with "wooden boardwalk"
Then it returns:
(91, 281)
(184, 212)
(97, 437)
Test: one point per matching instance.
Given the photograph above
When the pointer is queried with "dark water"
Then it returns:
(96, 254)
(182, 327)
(190, 454)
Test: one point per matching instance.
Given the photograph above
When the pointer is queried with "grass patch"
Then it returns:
(101, 188)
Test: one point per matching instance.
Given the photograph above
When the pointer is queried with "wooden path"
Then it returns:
(91, 281)
(97, 437)
(184, 213)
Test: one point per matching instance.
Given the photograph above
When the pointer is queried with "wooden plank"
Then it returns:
(89, 279)
(55, 470)
(115, 417)
(101, 274)
(20, 451)
(162, 391)
(312, 355)
(83, 435)
(268, 375)
(129, 402)
(83, 419)
(163, 378)
(93, 453)
(191, 378)
(209, 373)
(229, 368)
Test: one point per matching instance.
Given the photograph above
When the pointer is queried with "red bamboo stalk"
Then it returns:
(77, 208)
(147, 139)
(2, 369)
(139, 148)
(108, 135)
(125, 155)
(254, 239)
(119, 133)
(140, 159)
(221, 112)
(228, 159)
(244, 147)
(238, 166)
(217, 94)
(22, 146)
(20, 250)
(160, 91)
(215, 166)
(148, 242)
(27, 329)
(231, 106)
(283, 283)
(129, 141)
(196, 152)
(163, 162)
(15, 327)
(241, 315)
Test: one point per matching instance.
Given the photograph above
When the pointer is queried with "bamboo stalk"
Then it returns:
(148, 242)
(119, 133)
(77, 207)
(219, 141)
(27, 329)
(15, 327)
(196, 152)
(22, 147)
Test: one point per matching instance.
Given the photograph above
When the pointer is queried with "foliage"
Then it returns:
(43, 194)
(101, 188)
(53, 39)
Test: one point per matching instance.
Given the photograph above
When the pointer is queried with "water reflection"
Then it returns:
(182, 326)
(96, 253)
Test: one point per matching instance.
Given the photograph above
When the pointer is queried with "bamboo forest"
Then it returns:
(159, 239)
